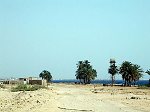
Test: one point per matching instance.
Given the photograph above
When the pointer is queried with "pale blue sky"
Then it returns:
(56, 34)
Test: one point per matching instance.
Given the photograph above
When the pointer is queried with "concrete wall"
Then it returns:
(38, 82)
(6, 82)
(30, 80)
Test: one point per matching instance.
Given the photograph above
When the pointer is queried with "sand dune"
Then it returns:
(76, 98)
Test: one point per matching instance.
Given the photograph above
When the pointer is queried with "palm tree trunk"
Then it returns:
(80, 81)
(112, 80)
(125, 83)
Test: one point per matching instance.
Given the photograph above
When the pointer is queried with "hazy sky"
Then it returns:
(55, 34)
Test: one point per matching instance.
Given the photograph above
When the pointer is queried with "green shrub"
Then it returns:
(25, 87)
(2, 86)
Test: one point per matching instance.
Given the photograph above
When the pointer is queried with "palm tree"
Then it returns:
(148, 72)
(79, 73)
(46, 75)
(85, 73)
(125, 72)
(136, 72)
(112, 70)
(93, 76)
(130, 72)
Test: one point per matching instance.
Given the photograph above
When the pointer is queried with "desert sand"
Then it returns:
(76, 98)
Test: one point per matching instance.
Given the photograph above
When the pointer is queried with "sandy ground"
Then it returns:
(76, 98)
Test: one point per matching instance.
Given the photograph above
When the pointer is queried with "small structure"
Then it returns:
(6, 82)
(30, 80)
(37, 81)
(23, 80)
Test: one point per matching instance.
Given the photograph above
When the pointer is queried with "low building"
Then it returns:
(30, 80)
(33, 81)
(23, 80)
(38, 82)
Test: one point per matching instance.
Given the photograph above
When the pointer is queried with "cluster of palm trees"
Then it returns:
(85, 72)
(130, 72)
